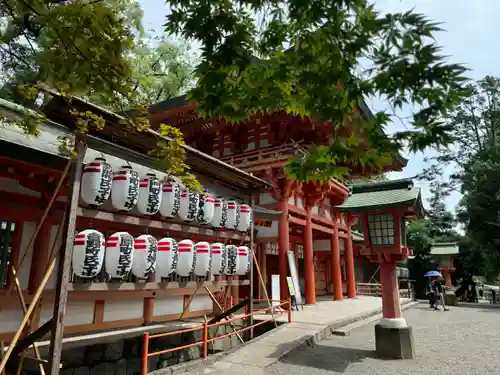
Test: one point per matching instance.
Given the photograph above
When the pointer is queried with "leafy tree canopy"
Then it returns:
(320, 59)
(97, 50)
(474, 157)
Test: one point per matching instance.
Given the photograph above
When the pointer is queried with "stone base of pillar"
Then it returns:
(394, 340)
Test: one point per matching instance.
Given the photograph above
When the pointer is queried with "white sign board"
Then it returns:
(295, 277)
(291, 288)
(275, 290)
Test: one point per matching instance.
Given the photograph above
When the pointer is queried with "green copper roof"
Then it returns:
(450, 248)
(383, 194)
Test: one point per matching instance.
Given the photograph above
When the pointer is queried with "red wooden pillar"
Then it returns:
(283, 247)
(390, 290)
(310, 285)
(349, 264)
(335, 264)
(447, 278)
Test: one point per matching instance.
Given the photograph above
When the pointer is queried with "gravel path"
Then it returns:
(461, 341)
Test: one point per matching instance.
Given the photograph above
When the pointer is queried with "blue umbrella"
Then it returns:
(433, 274)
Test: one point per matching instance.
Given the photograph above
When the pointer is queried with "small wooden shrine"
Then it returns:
(384, 209)
(131, 246)
(444, 254)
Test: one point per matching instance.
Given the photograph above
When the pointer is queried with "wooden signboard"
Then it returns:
(295, 277)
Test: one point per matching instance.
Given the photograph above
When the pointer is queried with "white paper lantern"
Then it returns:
(189, 206)
(220, 213)
(96, 182)
(244, 260)
(88, 253)
(149, 195)
(203, 259)
(125, 191)
(206, 209)
(219, 259)
(170, 200)
(187, 257)
(232, 260)
(145, 248)
(244, 218)
(232, 213)
(119, 254)
(167, 257)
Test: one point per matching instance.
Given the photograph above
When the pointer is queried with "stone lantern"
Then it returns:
(444, 254)
(383, 209)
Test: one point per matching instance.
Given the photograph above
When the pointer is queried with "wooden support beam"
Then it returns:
(221, 309)
(34, 336)
(229, 311)
(65, 260)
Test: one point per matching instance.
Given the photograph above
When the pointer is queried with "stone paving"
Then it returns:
(463, 341)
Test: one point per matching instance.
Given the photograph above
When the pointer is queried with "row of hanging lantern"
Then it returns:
(151, 196)
(145, 255)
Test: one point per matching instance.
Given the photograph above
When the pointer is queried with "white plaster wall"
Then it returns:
(24, 271)
(121, 310)
(200, 303)
(324, 245)
(168, 305)
(11, 319)
(266, 198)
(77, 312)
(272, 231)
(51, 283)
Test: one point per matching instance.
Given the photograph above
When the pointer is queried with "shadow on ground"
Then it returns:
(330, 358)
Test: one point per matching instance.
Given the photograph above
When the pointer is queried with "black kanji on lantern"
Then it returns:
(105, 185)
(93, 245)
(125, 259)
(133, 190)
(154, 195)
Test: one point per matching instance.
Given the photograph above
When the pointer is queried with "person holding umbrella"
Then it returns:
(435, 290)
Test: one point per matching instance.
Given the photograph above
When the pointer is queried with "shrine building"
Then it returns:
(311, 225)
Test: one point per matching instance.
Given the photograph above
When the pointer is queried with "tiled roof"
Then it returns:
(266, 213)
(382, 194)
(444, 249)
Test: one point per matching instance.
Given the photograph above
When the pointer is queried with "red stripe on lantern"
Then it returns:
(143, 185)
(94, 164)
(185, 250)
(81, 235)
(140, 241)
(79, 243)
(140, 247)
(216, 251)
(164, 248)
(120, 178)
(91, 170)
(202, 251)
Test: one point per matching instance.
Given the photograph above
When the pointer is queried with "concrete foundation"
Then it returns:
(394, 342)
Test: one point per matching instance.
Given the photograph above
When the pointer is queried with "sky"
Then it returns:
(471, 32)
